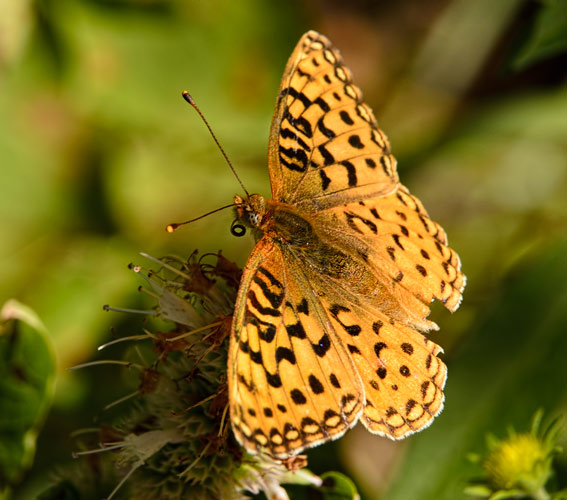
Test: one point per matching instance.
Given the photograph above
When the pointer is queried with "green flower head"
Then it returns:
(520, 465)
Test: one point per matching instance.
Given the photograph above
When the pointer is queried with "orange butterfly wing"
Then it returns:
(325, 145)
(284, 367)
(341, 282)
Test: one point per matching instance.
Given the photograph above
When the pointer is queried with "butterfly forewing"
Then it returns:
(325, 145)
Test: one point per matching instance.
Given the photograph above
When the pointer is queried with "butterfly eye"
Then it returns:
(237, 229)
(254, 218)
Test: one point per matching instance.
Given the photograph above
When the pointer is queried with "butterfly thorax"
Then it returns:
(281, 221)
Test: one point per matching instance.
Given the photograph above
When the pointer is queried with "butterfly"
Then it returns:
(328, 322)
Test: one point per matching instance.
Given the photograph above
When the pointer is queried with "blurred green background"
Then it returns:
(98, 153)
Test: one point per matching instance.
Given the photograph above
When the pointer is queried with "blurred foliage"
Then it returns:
(549, 37)
(98, 153)
(27, 382)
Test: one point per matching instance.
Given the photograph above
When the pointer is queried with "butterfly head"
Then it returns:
(251, 211)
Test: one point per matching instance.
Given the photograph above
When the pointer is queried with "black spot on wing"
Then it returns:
(297, 95)
(296, 330)
(410, 405)
(310, 426)
(351, 172)
(285, 353)
(396, 238)
(327, 132)
(275, 298)
(353, 349)
(355, 142)
(286, 133)
(332, 419)
(351, 218)
(293, 158)
(303, 308)
(265, 311)
(421, 270)
(300, 124)
(325, 180)
(298, 397)
(256, 357)
(321, 347)
(378, 346)
(273, 379)
(376, 326)
(322, 104)
(345, 117)
(424, 388)
(328, 158)
(407, 348)
(385, 165)
(267, 331)
(315, 384)
(352, 330)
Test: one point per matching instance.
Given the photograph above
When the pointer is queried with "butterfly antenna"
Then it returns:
(190, 100)
(172, 227)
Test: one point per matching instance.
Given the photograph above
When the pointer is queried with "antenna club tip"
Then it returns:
(171, 227)
(187, 97)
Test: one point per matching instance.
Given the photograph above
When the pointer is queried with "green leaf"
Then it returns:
(508, 495)
(27, 379)
(337, 486)
(549, 37)
(478, 490)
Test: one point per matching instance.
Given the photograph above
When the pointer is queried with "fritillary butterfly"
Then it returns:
(333, 298)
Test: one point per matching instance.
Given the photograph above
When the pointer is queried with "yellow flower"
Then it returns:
(520, 465)
(521, 461)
